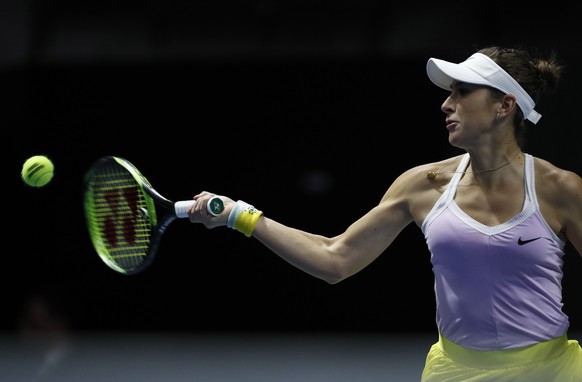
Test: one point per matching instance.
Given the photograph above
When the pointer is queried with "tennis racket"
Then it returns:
(121, 213)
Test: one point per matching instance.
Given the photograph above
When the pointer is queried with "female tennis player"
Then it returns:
(495, 218)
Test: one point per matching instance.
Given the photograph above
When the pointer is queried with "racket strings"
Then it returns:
(122, 216)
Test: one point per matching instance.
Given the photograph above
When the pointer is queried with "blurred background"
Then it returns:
(306, 109)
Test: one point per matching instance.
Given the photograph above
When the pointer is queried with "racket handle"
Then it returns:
(215, 206)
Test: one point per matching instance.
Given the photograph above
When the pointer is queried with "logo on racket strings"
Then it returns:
(120, 225)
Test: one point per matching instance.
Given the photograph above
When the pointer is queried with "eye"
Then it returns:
(462, 89)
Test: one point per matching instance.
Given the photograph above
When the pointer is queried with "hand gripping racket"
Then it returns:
(121, 213)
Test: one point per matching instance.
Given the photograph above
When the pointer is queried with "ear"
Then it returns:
(508, 105)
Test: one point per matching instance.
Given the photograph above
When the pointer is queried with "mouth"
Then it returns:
(450, 124)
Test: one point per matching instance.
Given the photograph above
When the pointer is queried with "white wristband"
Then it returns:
(239, 207)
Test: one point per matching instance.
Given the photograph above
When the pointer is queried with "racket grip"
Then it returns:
(215, 206)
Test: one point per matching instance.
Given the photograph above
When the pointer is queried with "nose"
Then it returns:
(447, 106)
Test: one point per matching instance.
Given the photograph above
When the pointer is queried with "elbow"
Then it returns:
(337, 268)
(332, 280)
(335, 276)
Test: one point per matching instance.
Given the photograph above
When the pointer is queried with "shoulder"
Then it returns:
(418, 176)
(416, 192)
(551, 174)
(557, 183)
(433, 174)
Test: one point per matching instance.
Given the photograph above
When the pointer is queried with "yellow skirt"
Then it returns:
(558, 360)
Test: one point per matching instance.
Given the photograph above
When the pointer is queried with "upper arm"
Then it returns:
(572, 209)
(560, 198)
(368, 237)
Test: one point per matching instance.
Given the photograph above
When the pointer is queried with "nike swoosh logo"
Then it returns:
(522, 242)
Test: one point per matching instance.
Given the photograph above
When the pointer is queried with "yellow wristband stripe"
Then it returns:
(243, 218)
(247, 220)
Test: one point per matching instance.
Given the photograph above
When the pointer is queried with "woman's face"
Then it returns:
(470, 113)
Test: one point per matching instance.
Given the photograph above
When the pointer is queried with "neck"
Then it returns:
(432, 175)
(491, 168)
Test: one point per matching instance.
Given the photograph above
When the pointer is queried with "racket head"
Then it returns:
(120, 215)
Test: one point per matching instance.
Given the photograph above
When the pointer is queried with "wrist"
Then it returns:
(243, 217)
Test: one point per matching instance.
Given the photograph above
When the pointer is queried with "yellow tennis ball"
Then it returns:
(38, 171)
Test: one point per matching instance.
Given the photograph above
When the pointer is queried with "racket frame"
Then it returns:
(151, 199)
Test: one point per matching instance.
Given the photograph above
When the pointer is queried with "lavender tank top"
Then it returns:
(496, 287)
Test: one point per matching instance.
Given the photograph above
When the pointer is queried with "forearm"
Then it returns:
(311, 253)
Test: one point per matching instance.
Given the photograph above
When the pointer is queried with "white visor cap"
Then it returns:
(479, 69)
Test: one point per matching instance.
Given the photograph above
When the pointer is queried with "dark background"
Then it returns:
(308, 110)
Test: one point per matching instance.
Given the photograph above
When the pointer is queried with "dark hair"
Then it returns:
(537, 75)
